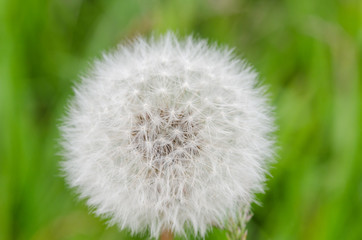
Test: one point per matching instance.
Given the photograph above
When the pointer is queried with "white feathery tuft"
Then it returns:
(167, 134)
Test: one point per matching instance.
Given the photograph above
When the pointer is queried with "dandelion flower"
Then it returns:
(168, 135)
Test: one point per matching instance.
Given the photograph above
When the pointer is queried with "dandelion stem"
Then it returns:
(166, 235)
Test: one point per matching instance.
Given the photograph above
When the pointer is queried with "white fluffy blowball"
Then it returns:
(166, 134)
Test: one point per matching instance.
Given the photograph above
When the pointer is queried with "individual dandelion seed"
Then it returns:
(168, 136)
(236, 227)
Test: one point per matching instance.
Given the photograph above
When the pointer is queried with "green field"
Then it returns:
(309, 52)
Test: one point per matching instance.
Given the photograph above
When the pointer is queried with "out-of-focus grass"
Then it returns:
(309, 52)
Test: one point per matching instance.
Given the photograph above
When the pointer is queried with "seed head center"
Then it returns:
(166, 136)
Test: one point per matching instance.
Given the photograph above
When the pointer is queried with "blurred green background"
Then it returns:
(308, 51)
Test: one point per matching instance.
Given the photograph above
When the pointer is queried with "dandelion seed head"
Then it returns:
(168, 134)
